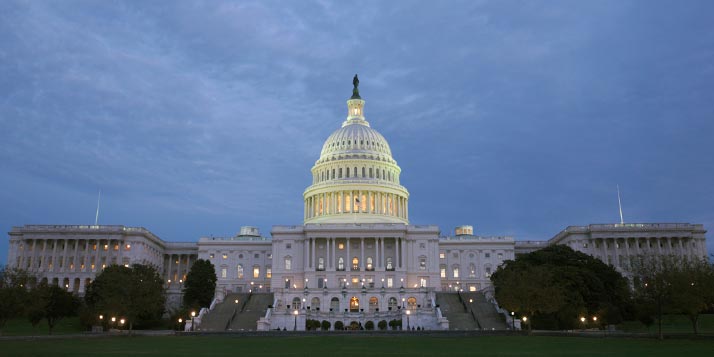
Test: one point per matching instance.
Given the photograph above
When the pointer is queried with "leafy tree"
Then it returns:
(369, 325)
(200, 285)
(51, 303)
(135, 293)
(674, 285)
(382, 324)
(556, 285)
(339, 325)
(326, 325)
(13, 294)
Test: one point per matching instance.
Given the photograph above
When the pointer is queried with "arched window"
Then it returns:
(347, 173)
(412, 303)
(296, 304)
(373, 304)
(455, 270)
(240, 271)
(321, 263)
(389, 264)
(369, 263)
(355, 171)
(472, 270)
(335, 304)
(363, 175)
(392, 304)
(341, 264)
(288, 263)
(315, 303)
(355, 263)
(354, 304)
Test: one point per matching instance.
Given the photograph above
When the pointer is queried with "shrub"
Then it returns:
(339, 325)
(382, 325)
(369, 325)
(326, 325)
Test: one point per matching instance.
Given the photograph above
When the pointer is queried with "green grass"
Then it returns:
(354, 345)
(22, 327)
(672, 324)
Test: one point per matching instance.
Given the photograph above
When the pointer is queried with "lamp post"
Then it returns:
(251, 288)
(408, 313)
(403, 303)
(583, 320)
(595, 321)
(513, 321)
(296, 314)
(180, 320)
(193, 314)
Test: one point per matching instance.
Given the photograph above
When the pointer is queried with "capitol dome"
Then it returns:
(356, 180)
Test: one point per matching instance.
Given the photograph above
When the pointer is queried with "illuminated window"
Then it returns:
(390, 282)
(355, 280)
(268, 272)
(422, 263)
(340, 264)
(224, 272)
(340, 246)
(369, 263)
(106, 247)
(500, 255)
(320, 263)
(94, 247)
(442, 271)
(211, 256)
(355, 263)
(116, 246)
(288, 263)
(389, 263)
(240, 271)
(472, 271)
(127, 247)
(442, 255)
(225, 256)
(256, 272)
(422, 282)
(456, 272)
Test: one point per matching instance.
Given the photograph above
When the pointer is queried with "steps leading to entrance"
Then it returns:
(219, 318)
(478, 314)
(255, 308)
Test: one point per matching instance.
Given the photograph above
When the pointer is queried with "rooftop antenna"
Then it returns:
(96, 217)
(619, 203)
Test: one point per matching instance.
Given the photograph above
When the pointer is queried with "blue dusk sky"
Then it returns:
(195, 118)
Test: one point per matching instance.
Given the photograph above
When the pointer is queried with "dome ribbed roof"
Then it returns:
(356, 139)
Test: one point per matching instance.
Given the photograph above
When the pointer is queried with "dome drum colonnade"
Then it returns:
(356, 176)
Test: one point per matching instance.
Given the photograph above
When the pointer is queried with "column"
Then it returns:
(376, 254)
(381, 262)
(334, 258)
(361, 259)
(306, 254)
(397, 250)
(169, 261)
(178, 268)
(54, 256)
(314, 260)
(681, 248)
(65, 259)
(348, 262)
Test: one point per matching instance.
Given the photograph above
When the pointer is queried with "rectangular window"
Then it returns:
(288, 264)
(456, 272)
(443, 272)
(256, 256)
(116, 246)
(211, 256)
(422, 263)
(339, 173)
(256, 272)
(500, 255)
(224, 272)
(442, 255)
(340, 246)
(488, 255)
(225, 256)
(422, 245)
(268, 272)
(390, 282)
(456, 254)
(320, 283)
(423, 281)
(288, 246)
(127, 246)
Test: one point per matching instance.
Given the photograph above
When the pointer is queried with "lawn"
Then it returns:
(354, 345)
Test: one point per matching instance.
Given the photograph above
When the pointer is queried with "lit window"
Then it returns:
(320, 263)
(268, 272)
(422, 263)
(225, 256)
(340, 246)
(442, 271)
(240, 271)
(369, 263)
(390, 282)
(116, 246)
(389, 264)
(340, 264)
(442, 255)
(256, 272)
(288, 263)
(224, 272)
(456, 272)
(355, 263)
(211, 256)
(106, 247)
(422, 282)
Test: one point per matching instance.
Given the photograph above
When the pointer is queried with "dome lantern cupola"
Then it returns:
(356, 180)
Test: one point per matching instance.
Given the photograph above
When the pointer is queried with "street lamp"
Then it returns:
(295, 313)
(583, 319)
(193, 314)
(180, 320)
(403, 303)
(525, 320)
(408, 313)
(513, 321)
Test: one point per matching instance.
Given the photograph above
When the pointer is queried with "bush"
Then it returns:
(369, 325)
(326, 325)
(382, 325)
(339, 325)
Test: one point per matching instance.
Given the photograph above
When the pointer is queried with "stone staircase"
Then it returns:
(247, 318)
(222, 314)
(453, 309)
(484, 312)
(470, 311)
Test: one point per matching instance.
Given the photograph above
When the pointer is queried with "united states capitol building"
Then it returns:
(356, 256)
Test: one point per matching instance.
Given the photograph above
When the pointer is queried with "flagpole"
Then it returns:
(96, 217)
(619, 204)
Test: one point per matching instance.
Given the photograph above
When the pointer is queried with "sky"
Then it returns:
(195, 118)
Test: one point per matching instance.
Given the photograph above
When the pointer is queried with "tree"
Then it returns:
(13, 293)
(325, 325)
(135, 294)
(369, 325)
(200, 285)
(51, 303)
(382, 324)
(673, 285)
(556, 285)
